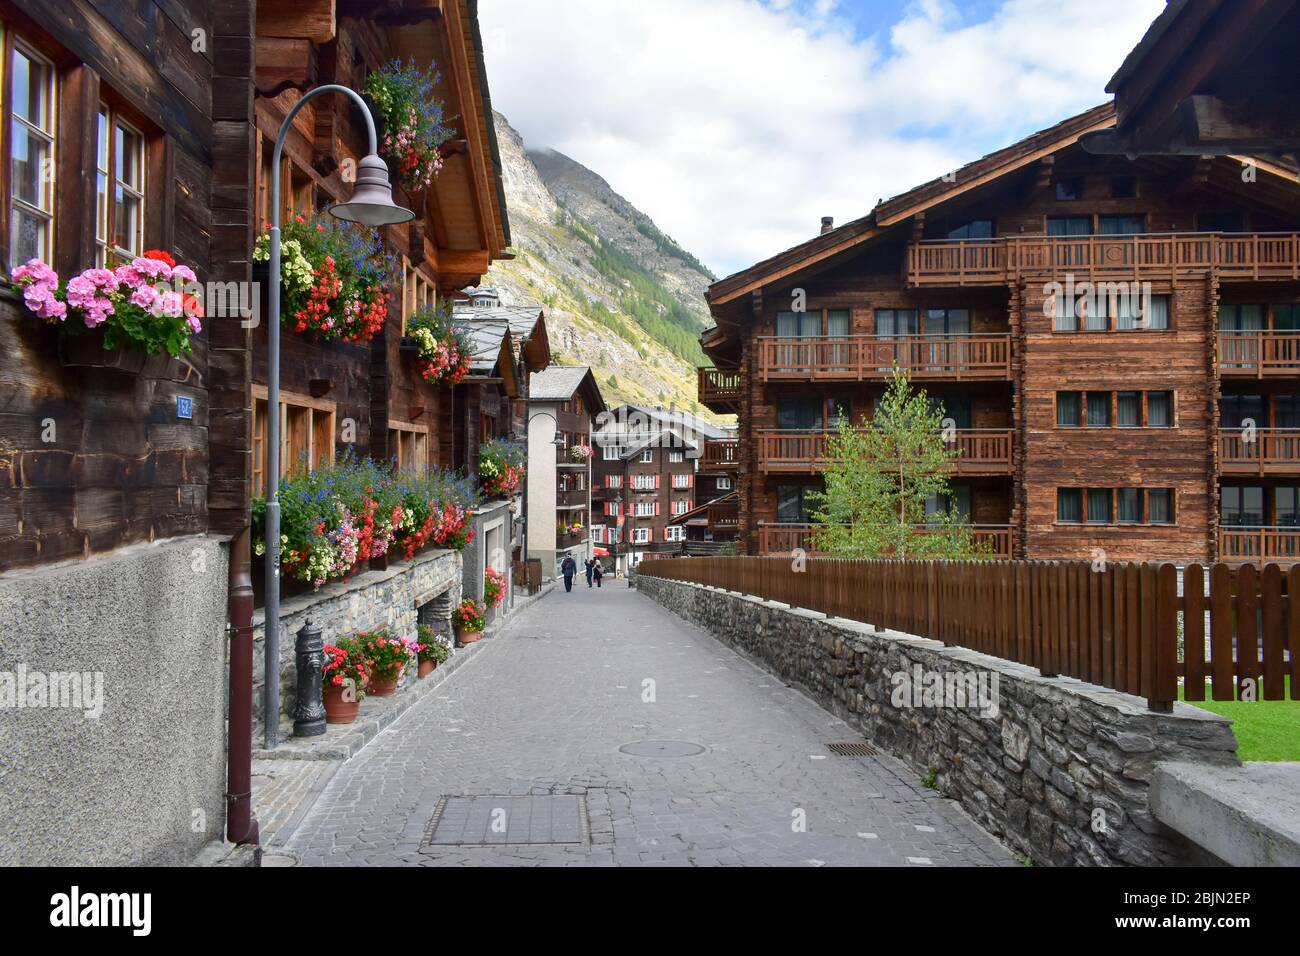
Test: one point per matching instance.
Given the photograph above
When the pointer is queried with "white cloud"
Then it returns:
(736, 125)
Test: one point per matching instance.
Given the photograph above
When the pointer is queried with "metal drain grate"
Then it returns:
(509, 820)
(852, 748)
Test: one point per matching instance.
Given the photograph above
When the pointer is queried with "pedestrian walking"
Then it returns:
(568, 568)
(590, 569)
(597, 572)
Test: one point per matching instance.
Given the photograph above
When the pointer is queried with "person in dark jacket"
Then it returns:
(590, 568)
(568, 568)
(597, 571)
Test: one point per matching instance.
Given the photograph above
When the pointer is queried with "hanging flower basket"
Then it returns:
(412, 122)
(444, 351)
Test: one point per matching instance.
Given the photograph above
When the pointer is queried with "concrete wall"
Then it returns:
(142, 782)
(541, 486)
(367, 602)
(1059, 769)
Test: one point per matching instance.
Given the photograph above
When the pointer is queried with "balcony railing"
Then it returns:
(980, 451)
(1141, 256)
(720, 454)
(785, 538)
(724, 514)
(856, 358)
(1259, 545)
(1259, 354)
(1261, 451)
(720, 387)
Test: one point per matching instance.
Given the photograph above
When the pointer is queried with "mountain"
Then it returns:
(619, 294)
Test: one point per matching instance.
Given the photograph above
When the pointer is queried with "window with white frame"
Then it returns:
(647, 509)
(119, 190)
(640, 535)
(598, 534)
(645, 482)
(723, 484)
(676, 456)
(31, 96)
(674, 533)
(681, 506)
(647, 456)
(681, 481)
(613, 481)
(612, 453)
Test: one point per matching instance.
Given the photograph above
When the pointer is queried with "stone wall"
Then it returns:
(1059, 769)
(141, 778)
(367, 602)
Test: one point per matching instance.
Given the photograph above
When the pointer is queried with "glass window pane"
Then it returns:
(1160, 409)
(29, 236)
(1286, 411)
(1098, 409)
(31, 90)
(1286, 318)
(837, 322)
(1287, 500)
(126, 222)
(1069, 226)
(1130, 505)
(1069, 504)
(787, 324)
(1099, 506)
(1121, 225)
(1128, 410)
(30, 153)
(1067, 409)
(1160, 508)
(1158, 316)
(1067, 317)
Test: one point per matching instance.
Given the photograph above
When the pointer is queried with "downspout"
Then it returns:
(241, 825)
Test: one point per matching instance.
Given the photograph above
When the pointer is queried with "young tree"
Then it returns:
(878, 477)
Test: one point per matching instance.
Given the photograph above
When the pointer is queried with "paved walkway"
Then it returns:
(533, 728)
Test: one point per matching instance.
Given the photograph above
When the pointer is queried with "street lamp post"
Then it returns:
(371, 205)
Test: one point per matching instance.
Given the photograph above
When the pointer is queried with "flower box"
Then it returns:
(88, 351)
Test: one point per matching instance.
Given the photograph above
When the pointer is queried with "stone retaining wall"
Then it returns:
(1059, 769)
(369, 601)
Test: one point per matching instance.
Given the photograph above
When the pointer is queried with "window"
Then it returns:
(1098, 409)
(1286, 411)
(1121, 225)
(677, 456)
(1069, 225)
(955, 504)
(1242, 506)
(675, 533)
(640, 535)
(798, 324)
(681, 481)
(1123, 187)
(897, 323)
(613, 481)
(647, 509)
(1160, 506)
(958, 409)
(1242, 318)
(798, 414)
(1130, 505)
(1069, 187)
(1286, 500)
(306, 435)
(1220, 222)
(611, 453)
(1067, 409)
(119, 186)
(418, 293)
(1099, 502)
(681, 506)
(1128, 410)
(31, 155)
(647, 456)
(1160, 409)
(1236, 410)
(794, 504)
(645, 482)
(598, 534)
(1069, 504)
(972, 229)
(723, 483)
(408, 446)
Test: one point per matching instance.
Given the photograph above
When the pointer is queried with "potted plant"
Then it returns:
(412, 121)
(345, 673)
(501, 466)
(433, 650)
(494, 587)
(444, 350)
(146, 311)
(388, 657)
(580, 452)
(471, 619)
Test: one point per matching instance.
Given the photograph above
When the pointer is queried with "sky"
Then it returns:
(737, 124)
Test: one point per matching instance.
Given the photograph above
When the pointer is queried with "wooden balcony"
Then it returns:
(857, 358)
(1143, 257)
(720, 389)
(1265, 451)
(1259, 354)
(785, 538)
(980, 451)
(1259, 545)
(720, 454)
(724, 514)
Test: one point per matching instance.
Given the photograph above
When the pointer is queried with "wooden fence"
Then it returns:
(1124, 626)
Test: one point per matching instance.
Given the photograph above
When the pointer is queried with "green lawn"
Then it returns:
(1265, 729)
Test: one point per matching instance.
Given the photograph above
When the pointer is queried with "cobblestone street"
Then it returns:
(533, 728)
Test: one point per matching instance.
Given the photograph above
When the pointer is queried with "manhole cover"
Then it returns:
(852, 748)
(502, 820)
(661, 748)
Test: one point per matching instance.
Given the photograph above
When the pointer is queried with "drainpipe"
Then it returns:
(241, 825)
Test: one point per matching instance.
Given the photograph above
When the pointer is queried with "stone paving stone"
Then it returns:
(544, 713)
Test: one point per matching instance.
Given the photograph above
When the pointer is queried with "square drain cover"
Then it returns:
(503, 821)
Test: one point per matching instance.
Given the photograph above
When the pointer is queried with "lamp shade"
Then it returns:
(372, 200)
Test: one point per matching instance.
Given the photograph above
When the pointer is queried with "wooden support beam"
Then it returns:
(1269, 123)
(284, 63)
(415, 241)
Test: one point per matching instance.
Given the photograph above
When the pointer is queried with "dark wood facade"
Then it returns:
(92, 459)
(955, 282)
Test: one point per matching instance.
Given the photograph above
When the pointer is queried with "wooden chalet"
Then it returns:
(1124, 427)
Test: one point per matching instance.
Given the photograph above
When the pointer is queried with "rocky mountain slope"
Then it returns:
(619, 295)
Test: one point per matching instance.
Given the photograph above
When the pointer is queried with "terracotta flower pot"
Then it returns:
(382, 687)
(465, 636)
(338, 710)
(426, 668)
